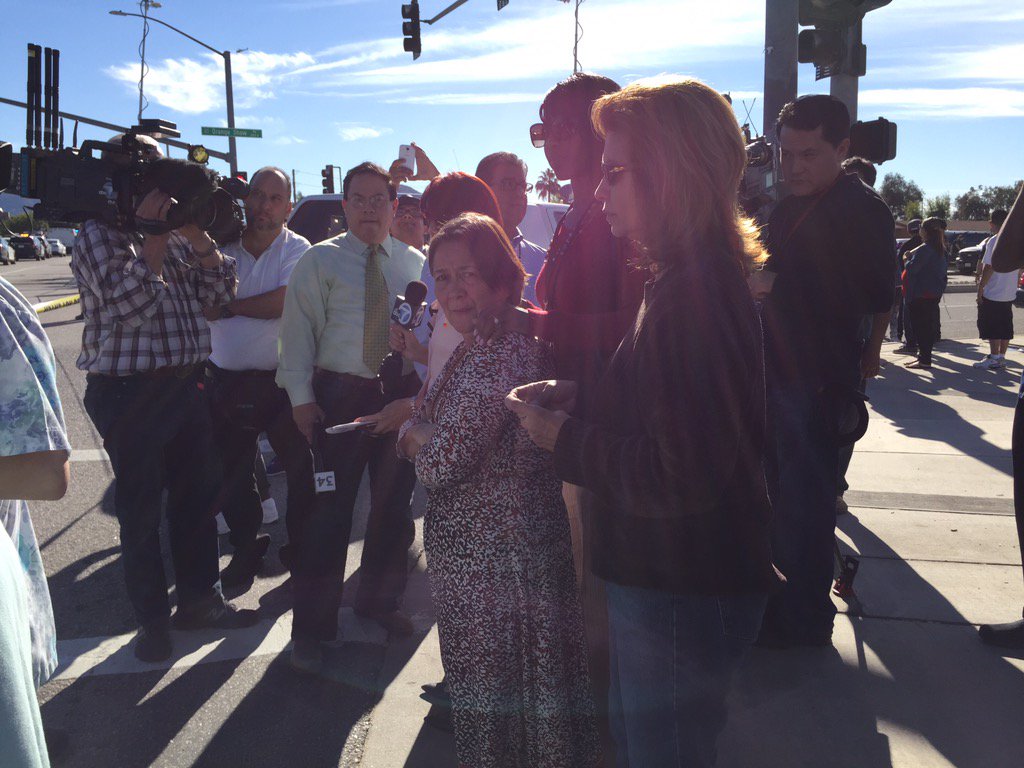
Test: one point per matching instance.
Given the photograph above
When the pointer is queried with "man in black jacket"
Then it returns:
(832, 258)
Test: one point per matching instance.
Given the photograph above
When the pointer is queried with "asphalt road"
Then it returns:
(223, 703)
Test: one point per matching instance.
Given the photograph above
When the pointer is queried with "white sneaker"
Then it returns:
(222, 525)
(998, 362)
(270, 512)
(988, 362)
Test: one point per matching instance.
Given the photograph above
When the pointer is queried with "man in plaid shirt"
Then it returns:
(143, 347)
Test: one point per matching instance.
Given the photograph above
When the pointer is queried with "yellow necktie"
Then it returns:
(377, 316)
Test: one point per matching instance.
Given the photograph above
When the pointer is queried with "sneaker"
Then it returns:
(214, 614)
(307, 656)
(246, 562)
(275, 467)
(153, 642)
(222, 525)
(990, 362)
(270, 514)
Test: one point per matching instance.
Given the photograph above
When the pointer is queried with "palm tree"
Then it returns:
(548, 188)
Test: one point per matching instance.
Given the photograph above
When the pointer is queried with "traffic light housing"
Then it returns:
(836, 12)
(411, 28)
(328, 179)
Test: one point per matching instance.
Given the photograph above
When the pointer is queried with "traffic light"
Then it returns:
(836, 12)
(328, 179)
(411, 28)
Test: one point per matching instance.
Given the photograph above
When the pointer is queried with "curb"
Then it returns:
(66, 301)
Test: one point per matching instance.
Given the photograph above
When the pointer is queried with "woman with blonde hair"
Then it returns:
(671, 454)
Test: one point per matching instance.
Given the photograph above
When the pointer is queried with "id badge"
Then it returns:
(323, 482)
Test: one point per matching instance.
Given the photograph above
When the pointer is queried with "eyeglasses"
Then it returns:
(409, 212)
(511, 185)
(554, 130)
(374, 201)
(611, 174)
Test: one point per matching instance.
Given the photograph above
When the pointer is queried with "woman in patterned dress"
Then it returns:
(496, 533)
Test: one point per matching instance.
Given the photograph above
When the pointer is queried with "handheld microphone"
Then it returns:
(408, 313)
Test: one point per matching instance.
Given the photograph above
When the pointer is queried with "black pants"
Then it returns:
(157, 433)
(924, 317)
(243, 404)
(318, 572)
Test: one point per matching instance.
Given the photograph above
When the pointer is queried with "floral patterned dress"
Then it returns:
(32, 420)
(500, 565)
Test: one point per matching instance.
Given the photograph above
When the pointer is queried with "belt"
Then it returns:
(168, 372)
(348, 378)
(215, 370)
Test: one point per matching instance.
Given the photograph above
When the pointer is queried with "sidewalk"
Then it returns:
(907, 684)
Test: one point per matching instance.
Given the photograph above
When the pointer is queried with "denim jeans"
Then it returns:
(157, 433)
(673, 660)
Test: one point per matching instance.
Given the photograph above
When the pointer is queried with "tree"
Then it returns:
(23, 222)
(976, 203)
(913, 210)
(939, 205)
(548, 188)
(898, 193)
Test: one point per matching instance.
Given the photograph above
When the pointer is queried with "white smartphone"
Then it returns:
(407, 154)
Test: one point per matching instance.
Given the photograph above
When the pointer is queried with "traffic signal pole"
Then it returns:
(782, 21)
(843, 85)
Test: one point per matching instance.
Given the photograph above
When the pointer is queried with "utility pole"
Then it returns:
(295, 198)
(844, 84)
(782, 19)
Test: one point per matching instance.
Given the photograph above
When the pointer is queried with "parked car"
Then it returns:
(45, 246)
(1019, 300)
(967, 259)
(318, 217)
(26, 247)
(57, 248)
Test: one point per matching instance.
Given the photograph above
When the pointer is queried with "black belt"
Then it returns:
(215, 370)
(168, 372)
(348, 378)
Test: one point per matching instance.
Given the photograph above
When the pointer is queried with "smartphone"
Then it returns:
(407, 154)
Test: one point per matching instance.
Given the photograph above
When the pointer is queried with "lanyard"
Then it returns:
(807, 212)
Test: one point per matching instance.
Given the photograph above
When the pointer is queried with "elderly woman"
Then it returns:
(671, 451)
(496, 535)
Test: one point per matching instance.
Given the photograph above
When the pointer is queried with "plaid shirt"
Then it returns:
(135, 320)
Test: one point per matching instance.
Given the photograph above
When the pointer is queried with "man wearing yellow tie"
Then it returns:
(334, 334)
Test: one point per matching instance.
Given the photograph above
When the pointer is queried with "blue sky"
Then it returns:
(328, 81)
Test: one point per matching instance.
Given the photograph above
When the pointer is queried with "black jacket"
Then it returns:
(672, 455)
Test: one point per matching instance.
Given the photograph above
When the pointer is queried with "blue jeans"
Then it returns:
(673, 659)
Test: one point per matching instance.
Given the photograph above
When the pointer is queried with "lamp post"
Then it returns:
(229, 94)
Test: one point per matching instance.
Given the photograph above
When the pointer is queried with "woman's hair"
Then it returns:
(454, 193)
(687, 157)
(490, 248)
(933, 232)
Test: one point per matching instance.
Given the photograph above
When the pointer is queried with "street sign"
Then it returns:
(242, 133)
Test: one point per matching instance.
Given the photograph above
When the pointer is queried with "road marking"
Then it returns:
(87, 656)
(89, 454)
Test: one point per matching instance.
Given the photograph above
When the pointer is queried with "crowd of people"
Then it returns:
(632, 441)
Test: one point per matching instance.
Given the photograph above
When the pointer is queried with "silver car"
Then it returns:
(6, 252)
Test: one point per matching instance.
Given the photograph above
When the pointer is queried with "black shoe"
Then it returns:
(217, 615)
(246, 562)
(153, 642)
(284, 554)
(1010, 635)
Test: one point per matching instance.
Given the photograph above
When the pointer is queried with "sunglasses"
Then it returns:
(555, 130)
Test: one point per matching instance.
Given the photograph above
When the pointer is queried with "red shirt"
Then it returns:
(590, 291)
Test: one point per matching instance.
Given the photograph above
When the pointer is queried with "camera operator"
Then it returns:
(143, 346)
(832, 256)
(244, 399)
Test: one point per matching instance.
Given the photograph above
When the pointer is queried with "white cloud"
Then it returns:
(196, 86)
(948, 13)
(945, 103)
(468, 99)
(285, 141)
(358, 131)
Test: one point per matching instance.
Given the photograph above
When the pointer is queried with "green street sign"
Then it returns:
(242, 133)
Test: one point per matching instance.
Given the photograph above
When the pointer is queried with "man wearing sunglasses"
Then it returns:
(505, 174)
